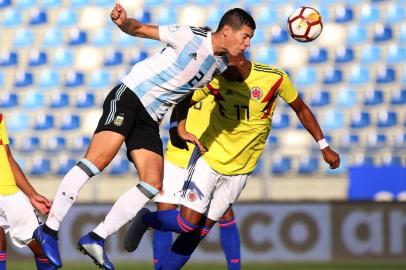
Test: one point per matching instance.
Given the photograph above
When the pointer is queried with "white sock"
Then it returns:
(67, 193)
(125, 209)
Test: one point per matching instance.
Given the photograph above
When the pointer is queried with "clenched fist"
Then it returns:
(118, 15)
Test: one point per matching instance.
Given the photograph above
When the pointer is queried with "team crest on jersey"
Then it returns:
(192, 196)
(118, 121)
(174, 27)
(256, 93)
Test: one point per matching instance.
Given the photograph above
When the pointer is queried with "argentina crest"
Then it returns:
(118, 121)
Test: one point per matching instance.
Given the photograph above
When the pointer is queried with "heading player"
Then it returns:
(131, 114)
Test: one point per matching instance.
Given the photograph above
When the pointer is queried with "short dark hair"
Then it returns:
(237, 18)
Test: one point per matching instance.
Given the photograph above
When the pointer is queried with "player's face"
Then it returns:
(239, 40)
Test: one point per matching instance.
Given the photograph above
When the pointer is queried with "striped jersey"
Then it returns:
(186, 63)
(7, 182)
(242, 118)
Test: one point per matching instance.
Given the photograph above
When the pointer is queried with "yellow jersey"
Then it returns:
(7, 182)
(197, 120)
(242, 117)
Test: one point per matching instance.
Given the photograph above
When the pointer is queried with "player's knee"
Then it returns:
(100, 161)
(157, 183)
(88, 167)
(148, 189)
(157, 186)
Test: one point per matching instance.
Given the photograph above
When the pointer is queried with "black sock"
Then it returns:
(49, 231)
(95, 236)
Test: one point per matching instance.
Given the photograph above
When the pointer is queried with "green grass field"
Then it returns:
(12, 265)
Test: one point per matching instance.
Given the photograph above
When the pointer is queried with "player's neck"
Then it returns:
(238, 74)
(246, 69)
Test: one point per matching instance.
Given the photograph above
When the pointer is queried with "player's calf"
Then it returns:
(136, 230)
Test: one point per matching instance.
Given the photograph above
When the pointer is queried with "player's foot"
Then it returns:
(49, 245)
(95, 250)
(137, 229)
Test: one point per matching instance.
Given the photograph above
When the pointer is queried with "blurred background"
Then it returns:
(59, 59)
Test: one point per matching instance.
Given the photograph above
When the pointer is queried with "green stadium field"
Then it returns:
(12, 265)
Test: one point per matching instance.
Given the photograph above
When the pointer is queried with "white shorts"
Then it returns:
(18, 218)
(174, 178)
(207, 191)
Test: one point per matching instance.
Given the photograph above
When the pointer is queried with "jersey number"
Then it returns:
(198, 106)
(196, 78)
(240, 111)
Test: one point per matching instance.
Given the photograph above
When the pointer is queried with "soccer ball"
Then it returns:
(304, 24)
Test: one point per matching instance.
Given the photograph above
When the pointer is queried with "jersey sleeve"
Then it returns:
(200, 94)
(287, 90)
(174, 34)
(3, 132)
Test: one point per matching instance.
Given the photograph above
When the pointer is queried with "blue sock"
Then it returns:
(44, 264)
(162, 243)
(168, 220)
(3, 258)
(183, 248)
(230, 241)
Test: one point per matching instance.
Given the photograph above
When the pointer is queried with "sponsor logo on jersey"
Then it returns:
(192, 196)
(174, 27)
(256, 93)
(118, 121)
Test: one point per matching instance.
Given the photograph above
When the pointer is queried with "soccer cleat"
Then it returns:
(137, 229)
(95, 250)
(49, 246)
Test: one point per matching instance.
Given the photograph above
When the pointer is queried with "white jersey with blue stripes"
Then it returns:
(186, 63)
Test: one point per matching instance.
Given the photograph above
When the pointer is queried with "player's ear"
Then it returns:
(226, 30)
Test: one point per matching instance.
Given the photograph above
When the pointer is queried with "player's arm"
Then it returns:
(176, 140)
(308, 120)
(37, 200)
(181, 110)
(132, 26)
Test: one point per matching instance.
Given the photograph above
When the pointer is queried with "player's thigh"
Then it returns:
(174, 178)
(199, 186)
(226, 193)
(114, 126)
(149, 166)
(103, 148)
(21, 217)
(144, 148)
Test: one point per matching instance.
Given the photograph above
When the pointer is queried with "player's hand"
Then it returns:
(189, 137)
(118, 15)
(176, 140)
(41, 203)
(331, 157)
